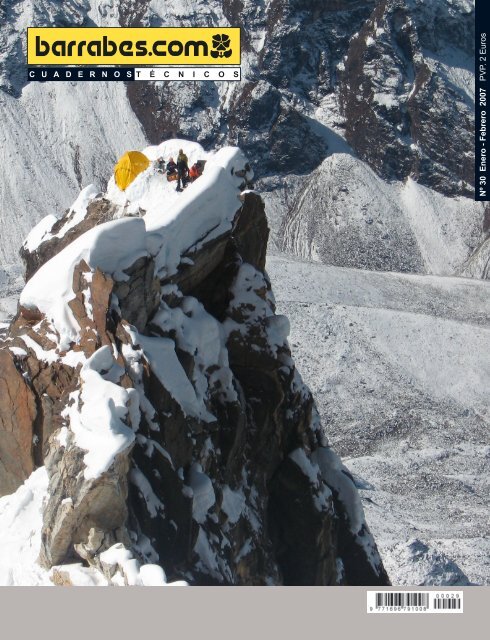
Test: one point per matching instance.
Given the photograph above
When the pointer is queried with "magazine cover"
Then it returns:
(244, 262)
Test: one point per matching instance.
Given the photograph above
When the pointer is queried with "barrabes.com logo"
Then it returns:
(139, 53)
(169, 46)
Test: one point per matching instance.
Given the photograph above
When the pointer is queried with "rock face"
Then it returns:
(290, 51)
(399, 101)
(17, 417)
(177, 429)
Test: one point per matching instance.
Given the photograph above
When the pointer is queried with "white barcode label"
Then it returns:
(415, 602)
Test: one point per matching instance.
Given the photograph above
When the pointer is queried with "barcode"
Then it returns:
(447, 603)
(437, 601)
(402, 599)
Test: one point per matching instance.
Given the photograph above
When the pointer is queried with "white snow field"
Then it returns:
(344, 214)
(399, 367)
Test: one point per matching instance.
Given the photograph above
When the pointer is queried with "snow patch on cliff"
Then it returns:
(112, 247)
(99, 414)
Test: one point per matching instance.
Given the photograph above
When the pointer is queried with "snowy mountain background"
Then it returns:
(358, 118)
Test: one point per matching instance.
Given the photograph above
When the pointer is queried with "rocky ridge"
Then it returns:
(399, 99)
(176, 432)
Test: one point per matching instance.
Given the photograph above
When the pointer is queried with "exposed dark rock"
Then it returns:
(486, 220)
(139, 296)
(398, 108)
(17, 415)
(298, 527)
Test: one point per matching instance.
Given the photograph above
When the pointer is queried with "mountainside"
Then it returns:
(356, 117)
(382, 81)
(390, 77)
(397, 226)
(55, 138)
(406, 80)
(387, 61)
(147, 370)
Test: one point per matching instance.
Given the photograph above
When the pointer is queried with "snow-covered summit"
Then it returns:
(148, 371)
(170, 224)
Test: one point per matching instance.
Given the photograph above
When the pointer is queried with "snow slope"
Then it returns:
(54, 140)
(399, 367)
(344, 214)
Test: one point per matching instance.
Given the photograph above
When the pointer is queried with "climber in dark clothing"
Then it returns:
(183, 170)
(171, 167)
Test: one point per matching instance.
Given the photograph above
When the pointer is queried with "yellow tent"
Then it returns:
(131, 164)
